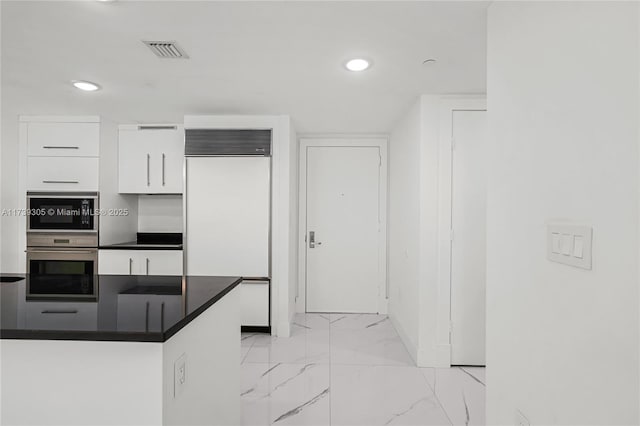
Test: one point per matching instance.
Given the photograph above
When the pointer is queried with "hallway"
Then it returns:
(351, 369)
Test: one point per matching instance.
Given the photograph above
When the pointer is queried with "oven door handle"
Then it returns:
(60, 311)
(54, 250)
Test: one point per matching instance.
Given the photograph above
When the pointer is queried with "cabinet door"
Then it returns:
(150, 160)
(254, 297)
(118, 262)
(161, 262)
(62, 174)
(134, 163)
(63, 139)
(168, 159)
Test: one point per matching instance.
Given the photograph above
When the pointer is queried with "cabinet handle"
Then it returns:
(60, 181)
(61, 147)
(148, 177)
(146, 318)
(162, 317)
(60, 311)
(163, 157)
(147, 266)
(130, 265)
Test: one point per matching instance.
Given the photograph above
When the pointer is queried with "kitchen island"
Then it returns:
(135, 350)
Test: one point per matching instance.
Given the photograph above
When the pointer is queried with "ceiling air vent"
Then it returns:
(166, 49)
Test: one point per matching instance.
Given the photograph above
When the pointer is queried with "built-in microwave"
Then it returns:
(53, 212)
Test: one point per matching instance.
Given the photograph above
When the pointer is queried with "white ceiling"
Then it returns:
(245, 57)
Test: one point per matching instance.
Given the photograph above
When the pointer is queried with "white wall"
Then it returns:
(404, 224)
(430, 353)
(160, 213)
(114, 229)
(562, 342)
(294, 180)
(9, 260)
(420, 212)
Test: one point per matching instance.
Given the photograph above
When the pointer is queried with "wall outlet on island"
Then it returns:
(179, 375)
(521, 420)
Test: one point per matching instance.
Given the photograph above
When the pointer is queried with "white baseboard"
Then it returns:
(284, 327)
(438, 357)
(383, 307)
(411, 347)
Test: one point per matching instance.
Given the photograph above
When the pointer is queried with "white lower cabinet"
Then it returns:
(254, 298)
(140, 262)
(62, 174)
(62, 315)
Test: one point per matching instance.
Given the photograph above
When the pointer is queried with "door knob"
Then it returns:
(312, 240)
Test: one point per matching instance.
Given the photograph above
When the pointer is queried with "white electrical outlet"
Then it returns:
(179, 375)
(521, 420)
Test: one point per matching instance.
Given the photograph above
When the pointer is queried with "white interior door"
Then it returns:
(343, 213)
(468, 248)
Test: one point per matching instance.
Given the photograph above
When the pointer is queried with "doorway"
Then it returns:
(343, 189)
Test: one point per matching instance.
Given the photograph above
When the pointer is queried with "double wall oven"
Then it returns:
(62, 245)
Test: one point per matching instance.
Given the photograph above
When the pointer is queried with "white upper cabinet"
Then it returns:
(62, 152)
(150, 159)
(50, 139)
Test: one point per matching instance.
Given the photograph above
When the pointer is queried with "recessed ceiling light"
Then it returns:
(357, 64)
(87, 86)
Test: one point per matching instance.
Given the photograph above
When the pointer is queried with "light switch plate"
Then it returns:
(573, 247)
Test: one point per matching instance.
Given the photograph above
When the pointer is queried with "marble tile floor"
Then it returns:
(351, 369)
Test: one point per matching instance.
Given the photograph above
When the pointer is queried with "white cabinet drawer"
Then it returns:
(254, 297)
(63, 139)
(62, 315)
(140, 262)
(62, 174)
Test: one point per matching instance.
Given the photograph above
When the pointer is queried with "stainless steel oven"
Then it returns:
(69, 273)
(62, 245)
(67, 212)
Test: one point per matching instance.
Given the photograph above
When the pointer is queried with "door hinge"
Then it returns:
(379, 159)
(451, 235)
(453, 144)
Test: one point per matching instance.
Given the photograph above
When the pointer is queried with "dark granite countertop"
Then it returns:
(136, 308)
(150, 241)
(134, 245)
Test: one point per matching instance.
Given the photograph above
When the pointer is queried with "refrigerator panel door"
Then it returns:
(228, 202)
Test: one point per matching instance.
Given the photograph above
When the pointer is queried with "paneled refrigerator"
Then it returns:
(227, 203)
